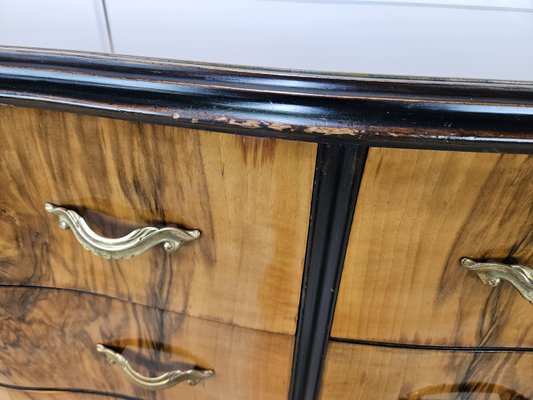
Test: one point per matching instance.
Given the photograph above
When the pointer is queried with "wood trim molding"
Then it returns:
(359, 109)
(337, 178)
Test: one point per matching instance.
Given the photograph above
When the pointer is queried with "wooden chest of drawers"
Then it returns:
(261, 234)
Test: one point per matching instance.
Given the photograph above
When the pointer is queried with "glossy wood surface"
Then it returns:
(334, 194)
(249, 197)
(48, 337)
(417, 214)
(362, 110)
(365, 372)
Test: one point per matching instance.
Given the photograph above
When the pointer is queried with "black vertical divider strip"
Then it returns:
(338, 173)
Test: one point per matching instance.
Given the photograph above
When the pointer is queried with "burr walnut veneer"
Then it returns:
(414, 374)
(177, 230)
(257, 364)
(249, 197)
(418, 213)
(233, 291)
(412, 323)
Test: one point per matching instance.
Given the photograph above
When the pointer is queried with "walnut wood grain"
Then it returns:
(249, 197)
(367, 372)
(29, 394)
(417, 214)
(48, 336)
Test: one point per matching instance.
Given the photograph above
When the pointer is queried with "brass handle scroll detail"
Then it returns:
(134, 243)
(492, 273)
(164, 381)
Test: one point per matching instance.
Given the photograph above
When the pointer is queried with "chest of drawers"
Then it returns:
(175, 230)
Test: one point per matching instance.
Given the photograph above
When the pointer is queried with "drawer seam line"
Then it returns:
(474, 349)
(133, 303)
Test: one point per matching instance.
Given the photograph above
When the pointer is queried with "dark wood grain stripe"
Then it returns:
(249, 197)
(360, 372)
(50, 335)
(419, 212)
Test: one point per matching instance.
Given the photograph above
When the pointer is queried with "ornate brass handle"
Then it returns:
(127, 246)
(164, 381)
(492, 273)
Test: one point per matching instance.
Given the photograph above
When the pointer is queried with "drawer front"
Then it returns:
(366, 372)
(418, 214)
(48, 338)
(249, 197)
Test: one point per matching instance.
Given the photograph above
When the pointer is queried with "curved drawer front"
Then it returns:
(249, 198)
(49, 336)
(357, 372)
(418, 214)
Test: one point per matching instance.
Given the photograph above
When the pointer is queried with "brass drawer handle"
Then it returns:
(492, 273)
(164, 381)
(127, 246)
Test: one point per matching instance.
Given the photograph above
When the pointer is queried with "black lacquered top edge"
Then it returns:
(381, 111)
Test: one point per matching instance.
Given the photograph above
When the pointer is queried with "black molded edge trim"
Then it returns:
(337, 178)
(106, 59)
(364, 110)
(64, 390)
(471, 349)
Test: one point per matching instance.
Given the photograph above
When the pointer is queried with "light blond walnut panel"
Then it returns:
(250, 198)
(354, 372)
(417, 214)
(48, 338)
